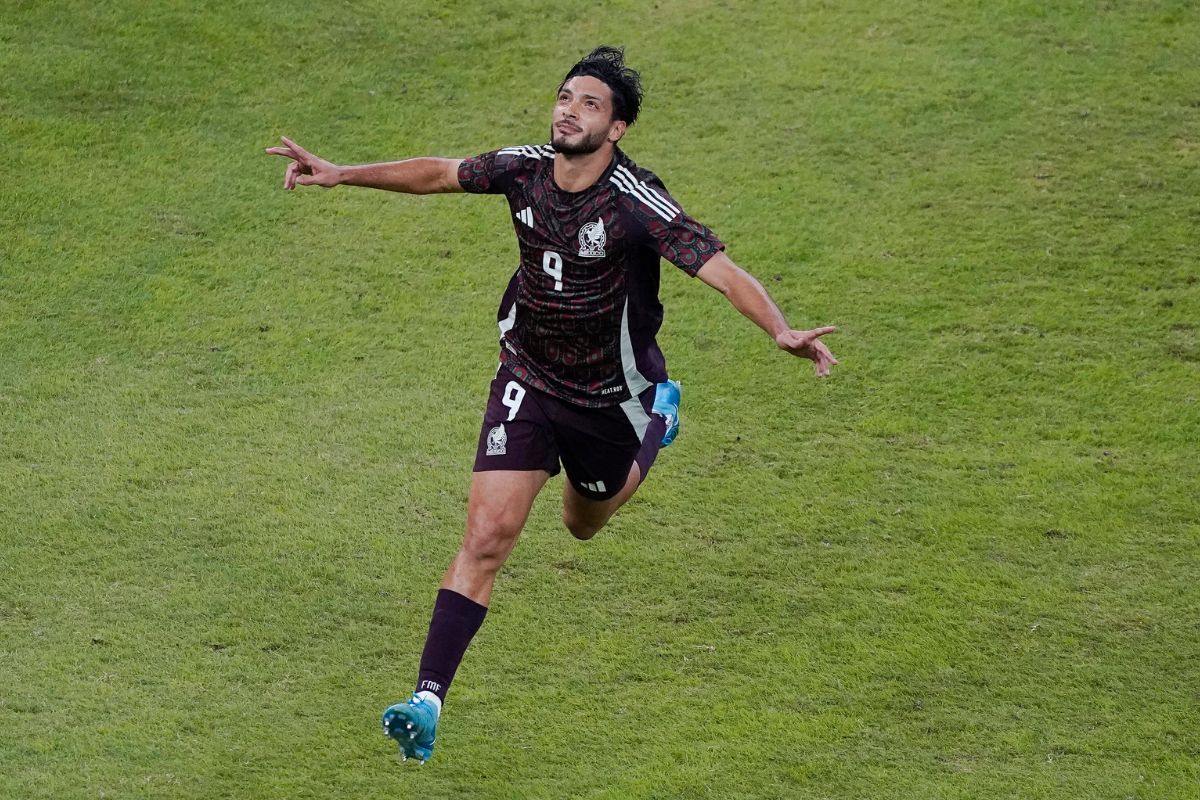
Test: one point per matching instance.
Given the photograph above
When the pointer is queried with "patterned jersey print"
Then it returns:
(581, 313)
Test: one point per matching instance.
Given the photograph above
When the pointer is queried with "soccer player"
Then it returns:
(581, 381)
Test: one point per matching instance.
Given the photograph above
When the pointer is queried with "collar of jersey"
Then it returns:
(617, 157)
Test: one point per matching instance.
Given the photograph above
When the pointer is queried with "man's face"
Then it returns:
(583, 117)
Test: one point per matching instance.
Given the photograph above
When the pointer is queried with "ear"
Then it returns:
(616, 130)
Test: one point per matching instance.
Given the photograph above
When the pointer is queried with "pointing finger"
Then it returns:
(825, 330)
(279, 151)
(295, 147)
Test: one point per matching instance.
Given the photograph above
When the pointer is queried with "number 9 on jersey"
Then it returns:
(552, 264)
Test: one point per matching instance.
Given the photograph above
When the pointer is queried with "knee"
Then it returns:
(488, 542)
(580, 527)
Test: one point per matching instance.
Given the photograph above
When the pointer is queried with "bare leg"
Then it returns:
(584, 517)
(496, 512)
(498, 506)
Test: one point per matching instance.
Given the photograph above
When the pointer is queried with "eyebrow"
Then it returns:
(588, 96)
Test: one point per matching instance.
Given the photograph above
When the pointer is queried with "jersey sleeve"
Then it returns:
(677, 237)
(494, 172)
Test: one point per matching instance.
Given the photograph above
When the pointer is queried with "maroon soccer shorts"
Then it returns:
(526, 429)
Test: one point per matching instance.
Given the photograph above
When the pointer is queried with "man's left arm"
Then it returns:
(749, 297)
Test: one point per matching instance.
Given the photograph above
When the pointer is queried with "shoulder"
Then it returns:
(525, 154)
(534, 151)
(493, 172)
(642, 191)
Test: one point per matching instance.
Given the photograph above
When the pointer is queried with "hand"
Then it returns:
(809, 345)
(305, 168)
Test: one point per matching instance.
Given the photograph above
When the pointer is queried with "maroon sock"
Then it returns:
(456, 618)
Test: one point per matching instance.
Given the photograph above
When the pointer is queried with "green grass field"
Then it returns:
(236, 423)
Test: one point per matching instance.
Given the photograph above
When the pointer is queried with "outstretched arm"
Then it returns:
(749, 297)
(414, 175)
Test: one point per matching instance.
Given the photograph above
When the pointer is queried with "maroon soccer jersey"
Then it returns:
(579, 317)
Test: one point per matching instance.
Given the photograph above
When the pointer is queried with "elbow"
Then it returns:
(737, 281)
(725, 276)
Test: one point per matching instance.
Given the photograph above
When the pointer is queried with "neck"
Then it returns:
(576, 173)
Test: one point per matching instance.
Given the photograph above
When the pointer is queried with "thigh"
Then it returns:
(496, 512)
(500, 500)
(516, 434)
(591, 513)
(497, 508)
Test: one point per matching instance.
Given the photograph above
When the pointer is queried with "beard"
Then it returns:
(588, 144)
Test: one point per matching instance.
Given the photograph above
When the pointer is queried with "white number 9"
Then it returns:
(552, 264)
(514, 393)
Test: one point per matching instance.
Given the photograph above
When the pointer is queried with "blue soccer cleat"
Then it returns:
(413, 725)
(666, 403)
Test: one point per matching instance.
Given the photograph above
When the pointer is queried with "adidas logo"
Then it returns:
(525, 215)
(597, 487)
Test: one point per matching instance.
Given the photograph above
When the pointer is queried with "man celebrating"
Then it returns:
(582, 382)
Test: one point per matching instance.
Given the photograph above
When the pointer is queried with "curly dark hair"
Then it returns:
(607, 64)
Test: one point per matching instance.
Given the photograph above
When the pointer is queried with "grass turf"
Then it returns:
(236, 423)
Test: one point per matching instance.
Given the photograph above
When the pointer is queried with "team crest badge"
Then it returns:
(591, 239)
(497, 441)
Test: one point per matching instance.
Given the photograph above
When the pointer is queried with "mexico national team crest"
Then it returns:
(497, 441)
(591, 239)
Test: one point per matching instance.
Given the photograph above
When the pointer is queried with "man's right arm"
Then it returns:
(414, 175)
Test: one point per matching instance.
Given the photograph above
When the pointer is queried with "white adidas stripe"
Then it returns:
(646, 191)
(622, 184)
(642, 192)
(522, 150)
